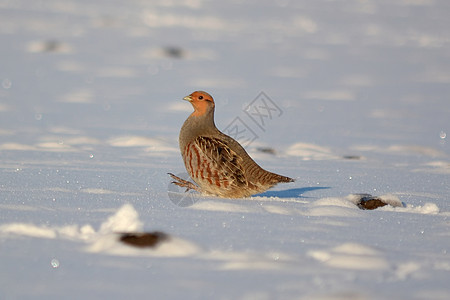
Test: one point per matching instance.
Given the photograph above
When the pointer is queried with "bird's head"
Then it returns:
(201, 101)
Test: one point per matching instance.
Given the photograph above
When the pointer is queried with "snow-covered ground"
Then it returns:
(355, 100)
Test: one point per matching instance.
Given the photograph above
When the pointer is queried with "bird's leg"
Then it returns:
(184, 183)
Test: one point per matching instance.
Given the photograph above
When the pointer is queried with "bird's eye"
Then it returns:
(200, 97)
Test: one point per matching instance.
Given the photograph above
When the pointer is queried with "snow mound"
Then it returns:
(311, 152)
(351, 256)
(329, 206)
(124, 220)
(426, 209)
(107, 239)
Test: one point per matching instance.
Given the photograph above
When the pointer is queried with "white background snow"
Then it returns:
(90, 110)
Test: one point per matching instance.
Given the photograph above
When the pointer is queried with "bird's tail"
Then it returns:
(280, 178)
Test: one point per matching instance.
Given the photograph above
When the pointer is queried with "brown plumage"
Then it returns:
(217, 163)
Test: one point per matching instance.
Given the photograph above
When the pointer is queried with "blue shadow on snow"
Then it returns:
(291, 193)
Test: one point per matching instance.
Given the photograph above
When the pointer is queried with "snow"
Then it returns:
(352, 99)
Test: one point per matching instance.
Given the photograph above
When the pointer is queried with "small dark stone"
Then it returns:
(266, 150)
(174, 52)
(369, 203)
(353, 157)
(52, 46)
(143, 239)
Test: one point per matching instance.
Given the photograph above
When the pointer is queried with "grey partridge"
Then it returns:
(217, 163)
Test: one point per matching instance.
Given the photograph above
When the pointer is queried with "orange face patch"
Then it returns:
(200, 101)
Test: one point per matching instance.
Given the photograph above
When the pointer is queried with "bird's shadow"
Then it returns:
(291, 193)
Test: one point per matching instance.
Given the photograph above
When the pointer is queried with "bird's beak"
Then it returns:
(188, 98)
